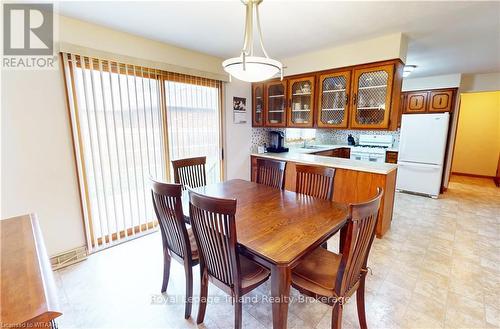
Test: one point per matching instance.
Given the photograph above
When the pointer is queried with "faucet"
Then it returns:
(305, 143)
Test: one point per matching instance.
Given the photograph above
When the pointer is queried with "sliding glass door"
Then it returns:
(193, 118)
(128, 123)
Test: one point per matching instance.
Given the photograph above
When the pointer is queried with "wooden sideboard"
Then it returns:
(28, 293)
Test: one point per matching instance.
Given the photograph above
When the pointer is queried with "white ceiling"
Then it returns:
(444, 37)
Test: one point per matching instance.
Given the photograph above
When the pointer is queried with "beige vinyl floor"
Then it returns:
(438, 267)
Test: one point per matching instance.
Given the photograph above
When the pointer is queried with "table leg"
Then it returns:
(280, 292)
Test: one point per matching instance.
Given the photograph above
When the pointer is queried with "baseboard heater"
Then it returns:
(68, 257)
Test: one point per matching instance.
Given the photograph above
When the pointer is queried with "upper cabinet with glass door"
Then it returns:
(333, 100)
(258, 105)
(301, 96)
(372, 95)
(276, 104)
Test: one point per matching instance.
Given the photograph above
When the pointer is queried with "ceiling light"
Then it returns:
(408, 69)
(248, 67)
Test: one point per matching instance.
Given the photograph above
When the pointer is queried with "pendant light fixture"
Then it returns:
(248, 67)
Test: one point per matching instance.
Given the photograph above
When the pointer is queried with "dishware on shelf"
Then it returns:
(306, 106)
(296, 106)
(306, 88)
(273, 121)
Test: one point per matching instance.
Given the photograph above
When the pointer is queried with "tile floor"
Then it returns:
(438, 267)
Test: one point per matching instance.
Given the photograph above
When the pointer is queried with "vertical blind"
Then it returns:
(128, 122)
(193, 120)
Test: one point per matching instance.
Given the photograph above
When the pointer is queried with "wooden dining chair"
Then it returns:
(190, 172)
(271, 173)
(214, 228)
(178, 241)
(331, 277)
(314, 181)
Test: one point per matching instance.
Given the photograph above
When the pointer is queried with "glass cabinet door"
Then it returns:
(301, 95)
(334, 99)
(276, 104)
(258, 105)
(372, 97)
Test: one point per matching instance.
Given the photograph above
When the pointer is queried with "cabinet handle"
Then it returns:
(354, 99)
(346, 99)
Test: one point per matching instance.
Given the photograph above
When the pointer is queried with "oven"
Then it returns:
(367, 156)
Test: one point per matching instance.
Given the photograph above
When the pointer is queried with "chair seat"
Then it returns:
(252, 274)
(194, 247)
(317, 272)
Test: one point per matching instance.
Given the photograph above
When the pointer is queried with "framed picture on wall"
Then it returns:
(239, 110)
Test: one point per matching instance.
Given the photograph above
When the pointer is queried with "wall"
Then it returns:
(38, 168)
(373, 50)
(322, 136)
(432, 82)
(478, 136)
(480, 82)
(238, 143)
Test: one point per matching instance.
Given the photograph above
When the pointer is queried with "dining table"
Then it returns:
(277, 228)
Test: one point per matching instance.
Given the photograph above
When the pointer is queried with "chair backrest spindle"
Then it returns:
(360, 232)
(315, 181)
(190, 172)
(168, 208)
(271, 173)
(214, 228)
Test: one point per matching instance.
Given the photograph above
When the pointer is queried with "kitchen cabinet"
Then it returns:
(391, 157)
(341, 152)
(440, 100)
(301, 100)
(275, 104)
(364, 96)
(429, 101)
(372, 94)
(258, 105)
(333, 100)
(416, 102)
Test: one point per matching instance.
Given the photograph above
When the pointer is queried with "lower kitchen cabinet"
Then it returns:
(341, 152)
(391, 157)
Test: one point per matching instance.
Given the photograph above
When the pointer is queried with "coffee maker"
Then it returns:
(277, 141)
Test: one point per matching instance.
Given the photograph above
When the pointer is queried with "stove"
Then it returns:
(371, 148)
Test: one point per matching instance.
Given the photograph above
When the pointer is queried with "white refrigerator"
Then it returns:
(422, 148)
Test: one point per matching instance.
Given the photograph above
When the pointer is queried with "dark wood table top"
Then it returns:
(278, 226)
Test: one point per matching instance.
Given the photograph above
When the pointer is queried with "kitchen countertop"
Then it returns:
(341, 163)
(326, 147)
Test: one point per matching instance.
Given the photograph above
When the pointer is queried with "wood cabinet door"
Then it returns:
(301, 101)
(333, 100)
(258, 105)
(371, 97)
(275, 104)
(391, 157)
(440, 100)
(416, 102)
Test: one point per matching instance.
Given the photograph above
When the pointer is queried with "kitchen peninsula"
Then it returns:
(355, 180)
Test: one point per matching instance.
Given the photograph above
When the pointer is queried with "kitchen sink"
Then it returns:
(311, 147)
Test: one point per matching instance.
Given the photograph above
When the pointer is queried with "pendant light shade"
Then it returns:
(248, 67)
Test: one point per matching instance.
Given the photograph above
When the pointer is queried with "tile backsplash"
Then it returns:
(323, 136)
